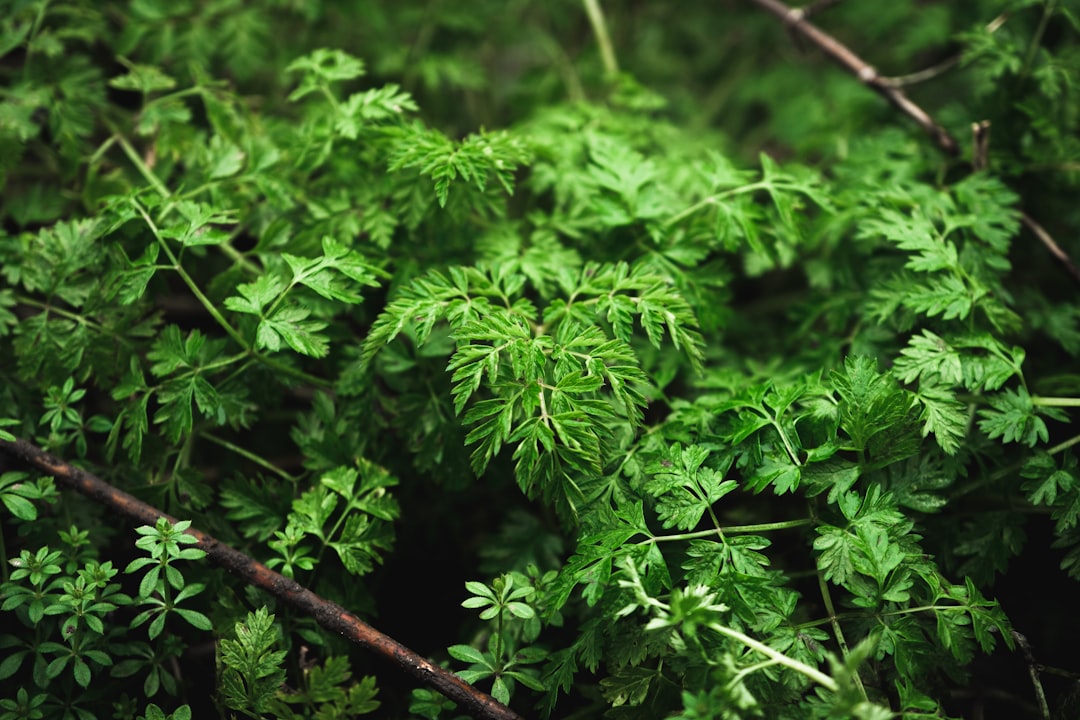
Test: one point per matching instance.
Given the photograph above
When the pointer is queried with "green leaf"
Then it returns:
(291, 324)
(685, 489)
(1013, 418)
(944, 416)
(252, 670)
(194, 618)
(930, 358)
(629, 686)
(18, 495)
(255, 296)
(377, 105)
(468, 654)
(475, 159)
(876, 414)
(322, 67)
(917, 234)
(143, 78)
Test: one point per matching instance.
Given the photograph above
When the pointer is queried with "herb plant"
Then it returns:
(625, 363)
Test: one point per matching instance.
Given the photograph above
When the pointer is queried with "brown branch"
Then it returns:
(795, 18)
(1046, 239)
(943, 66)
(980, 145)
(1033, 672)
(331, 616)
(866, 74)
(899, 81)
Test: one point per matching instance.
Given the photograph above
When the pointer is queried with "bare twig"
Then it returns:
(1033, 671)
(980, 145)
(865, 72)
(331, 616)
(795, 18)
(945, 65)
(1045, 238)
(899, 81)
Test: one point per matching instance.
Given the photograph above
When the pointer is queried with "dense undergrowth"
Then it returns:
(629, 359)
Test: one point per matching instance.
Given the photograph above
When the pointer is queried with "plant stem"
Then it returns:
(247, 454)
(761, 527)
(1049, 6)
(1055, 401)
(826, 598)
(746, 671)
(1011, 469)
(599, 26)
(81, 319)
(787, 443)
(218, 317)
(781, 659)
(1063, 446)
(713, 200)
(226, 248)
(145, 171)
(189, 281)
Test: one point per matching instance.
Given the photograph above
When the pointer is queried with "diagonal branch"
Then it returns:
(1046, 239)
(329, 615)
(867, 75)
(795, 18)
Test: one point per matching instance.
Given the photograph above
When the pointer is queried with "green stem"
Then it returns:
(787, 444)
(247, 454)
(189, 281)
(779, 658)
(826, 598)
(713, 200)
(1063, 446)
(1033, 48)
(498, 639)
(1055, 401)
(238, 257)
(81, 319)
(1009, 470)
(575, 91)
(226, 248)
(599, 26)
(768, 527)
(100, 152)
(218, 317)
(145, 171)
(891, 613)
(761, 527)
(750, 670)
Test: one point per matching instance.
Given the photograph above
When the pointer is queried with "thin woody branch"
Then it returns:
(867, 75)
(1046, 239)
(943, 66)
(330, 616)
(795, 18)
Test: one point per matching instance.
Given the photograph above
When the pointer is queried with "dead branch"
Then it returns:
(899, 81)
(1046, 239)
(943, 66)
(331, 616)
(980, 145)
(866, 74)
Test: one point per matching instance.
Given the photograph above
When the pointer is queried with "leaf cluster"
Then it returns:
(720, 392)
